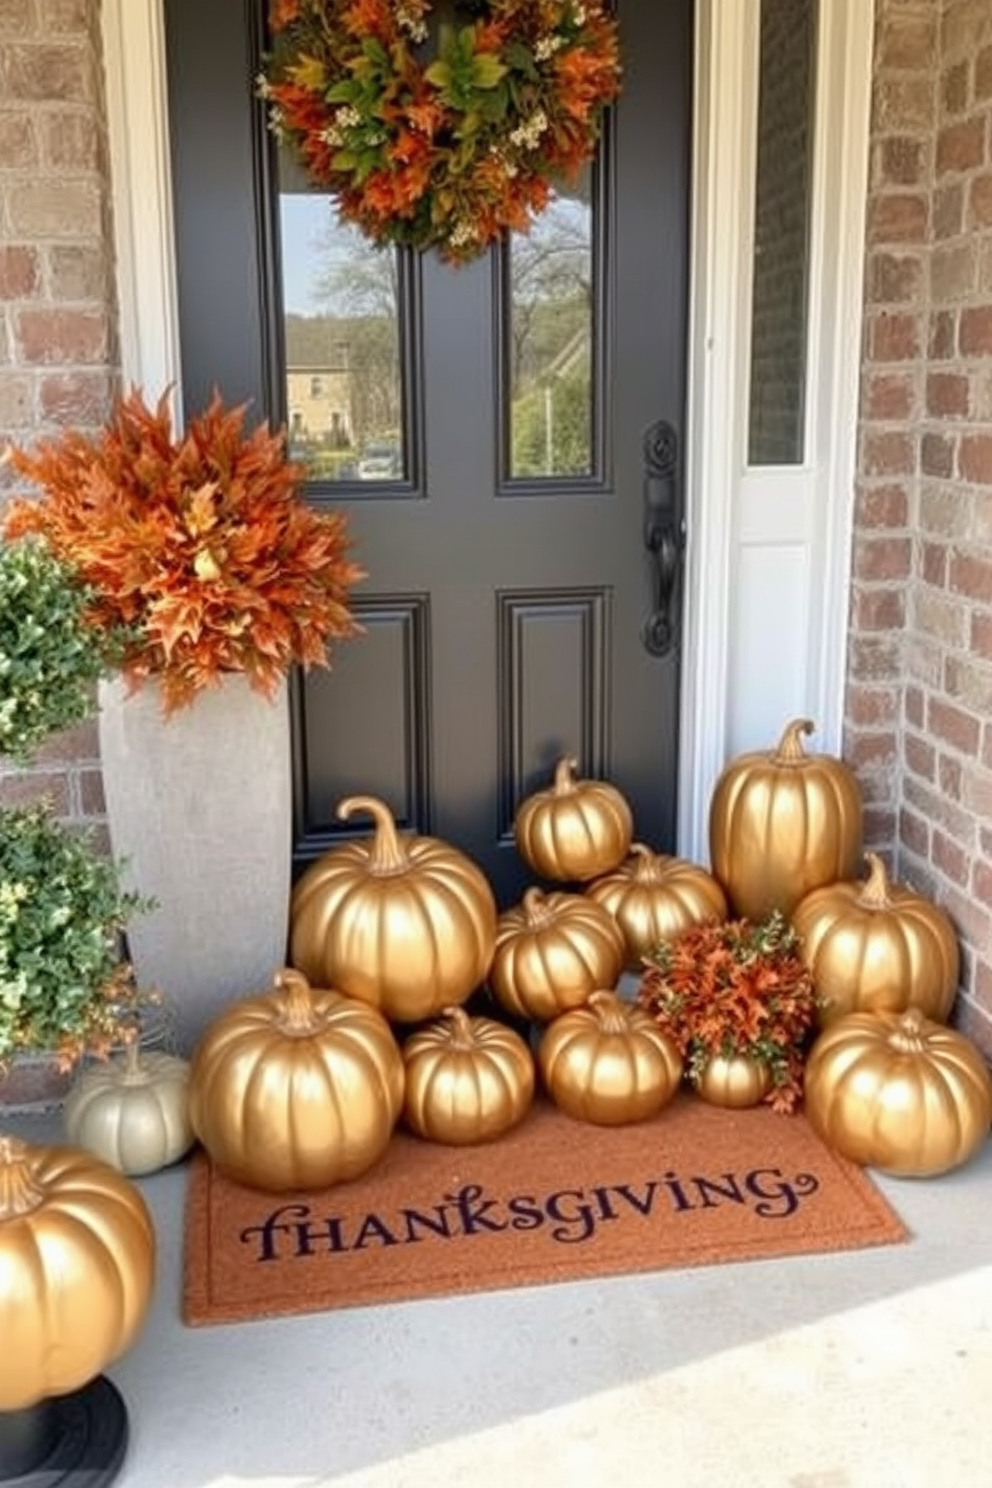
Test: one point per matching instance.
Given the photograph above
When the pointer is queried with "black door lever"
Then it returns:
(664, 535)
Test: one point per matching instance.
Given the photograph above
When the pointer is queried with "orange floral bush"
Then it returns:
(454, 152)
(198, 549)
(735, 988)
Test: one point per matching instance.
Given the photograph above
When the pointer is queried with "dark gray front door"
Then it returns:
(505, 436)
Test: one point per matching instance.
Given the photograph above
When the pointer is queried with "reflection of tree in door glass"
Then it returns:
(343, 381)
(550, 343)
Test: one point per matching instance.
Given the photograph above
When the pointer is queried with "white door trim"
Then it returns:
(717, 481)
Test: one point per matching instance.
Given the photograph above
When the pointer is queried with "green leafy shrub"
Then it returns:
(50, 657)
(63, 984)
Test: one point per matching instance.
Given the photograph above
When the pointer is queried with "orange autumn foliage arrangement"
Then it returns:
(452, 151)
(735, 988)
(198, 548)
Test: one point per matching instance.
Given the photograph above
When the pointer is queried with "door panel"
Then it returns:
(508, 592)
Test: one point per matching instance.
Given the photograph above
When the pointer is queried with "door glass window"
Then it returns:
(550, 339)
(779, 312)
(341, 321)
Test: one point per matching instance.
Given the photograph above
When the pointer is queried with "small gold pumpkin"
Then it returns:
(898, 1092)
(733, 1080)
(296, 1088)
(77, 1270)
(877, 947)
(404, 923)
(608, 1062)
(468, 1080)
(783, 823)
(654, 897)
(576, 829)
(552, 951)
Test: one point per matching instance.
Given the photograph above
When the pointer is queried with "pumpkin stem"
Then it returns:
(461, 1027)
(133, 1072)
(610, 1011)
(386, 853)
(536, 908)
(647, 868)
(297, 1004)
(18, 1193)
(565, 775)
(790, 749)
(875, 890)
(909, 1034)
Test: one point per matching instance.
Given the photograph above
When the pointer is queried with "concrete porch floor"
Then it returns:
(867, 1369)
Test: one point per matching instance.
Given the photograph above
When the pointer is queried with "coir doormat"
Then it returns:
(553, 1200)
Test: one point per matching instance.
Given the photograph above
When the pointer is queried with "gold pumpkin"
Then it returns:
(576, 829)
(608, 1062)
(898, 1092)
(77, 1269)
(782, 824)
(296, 1088)
(653, 897)
(733, 1080)
(132, 1111)
(552, 951)
(468, 1080)
(406, 924)
(877, 947)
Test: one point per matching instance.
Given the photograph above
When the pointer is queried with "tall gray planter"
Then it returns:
(199, 805)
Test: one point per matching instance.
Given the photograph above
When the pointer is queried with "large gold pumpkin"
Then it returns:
(898, 1092)
(405, 923)
(552, 951)
(608, 1062)
(877, 947)
(77, 1269)
(782, 824)
(468, 1079)
(576, 829)
(296, 1088)
(653, 897)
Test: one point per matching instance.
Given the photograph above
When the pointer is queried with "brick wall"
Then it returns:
(58, 352)
(919, 704)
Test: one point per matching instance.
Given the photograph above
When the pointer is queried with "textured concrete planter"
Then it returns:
(200, 806)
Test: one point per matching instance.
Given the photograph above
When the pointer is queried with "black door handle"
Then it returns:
(664, 535)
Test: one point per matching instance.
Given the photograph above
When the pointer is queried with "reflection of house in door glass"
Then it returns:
(341, 324)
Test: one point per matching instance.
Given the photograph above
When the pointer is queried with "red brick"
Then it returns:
(878, 609)
(78, 271)
(950, 858)
(879, 829)
(71, 745)
(914, 833)
(935, 808)
(20, 274)
(971, 576)
(949, 776)
(882, 559)
(957, 728)
(69, 336)
(969, 683)
(933, 564)
(980, 640)
(953, 272)
(968, 917)
(920, 757)
(948, 211)
(40, 73)
(914, 705)
(954, 88)
(889, 396)
(882, 506)
(975, 331)
(903, 104)
(947, 395)
(961, 147)
(983, 75)
(871, 706)
(894, 278)
(66, 17)
(980, 202)
(937, 456)
(18, 146)
(873, 658)
(908, 43)
(77, 399)
(25, 789)
(900, 161)
(16, 407)
(943, 325)
(975, 458)
(17, 18)
(72, 141)
(895, 337)
(982, 882)
(898, 217)
(889, 452)
(92, 798)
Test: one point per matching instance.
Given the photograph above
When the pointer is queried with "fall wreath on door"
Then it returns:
(445, 131)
